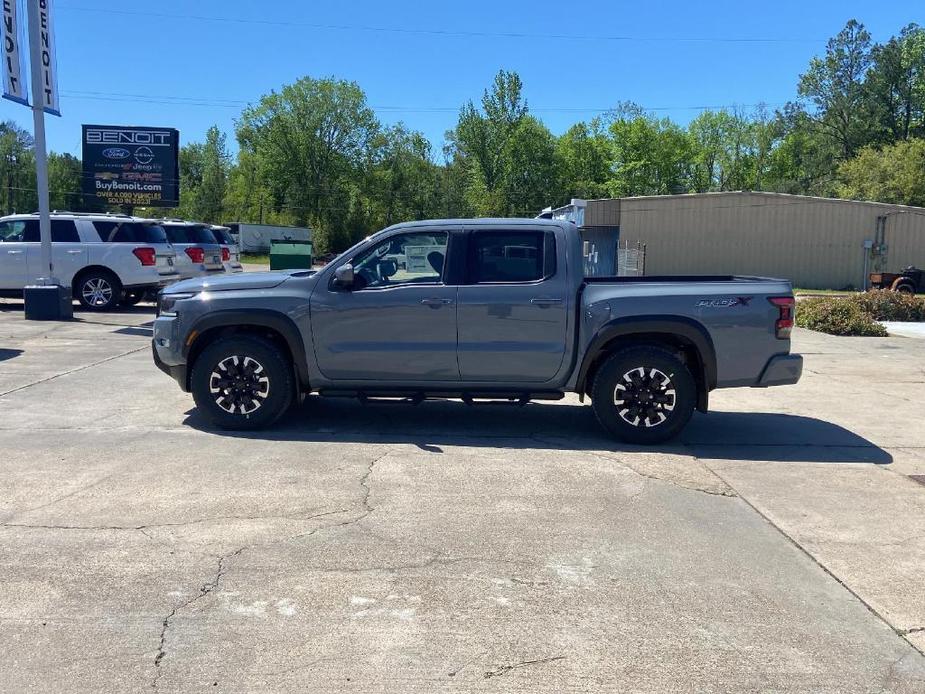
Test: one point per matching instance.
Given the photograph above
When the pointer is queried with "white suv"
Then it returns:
(107, 259)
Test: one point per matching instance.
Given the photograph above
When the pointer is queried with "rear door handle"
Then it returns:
(14, 252)
(75, 252)
(540, 301)
(436, 301)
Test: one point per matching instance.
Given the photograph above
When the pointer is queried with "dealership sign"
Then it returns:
(133, 166)
(14, 88)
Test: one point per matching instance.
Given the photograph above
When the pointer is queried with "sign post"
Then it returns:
(47, 299)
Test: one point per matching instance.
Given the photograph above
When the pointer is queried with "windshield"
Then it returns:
(189, 234)
(223, 236)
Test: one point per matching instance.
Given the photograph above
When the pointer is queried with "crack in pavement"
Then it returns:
(504, 669)
(179, 524)
(673, 482)
(204, 590)
(207, 588)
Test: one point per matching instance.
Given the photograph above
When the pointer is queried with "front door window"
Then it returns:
(404, 259)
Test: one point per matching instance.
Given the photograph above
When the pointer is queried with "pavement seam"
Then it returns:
(71, 371)
(899, 632)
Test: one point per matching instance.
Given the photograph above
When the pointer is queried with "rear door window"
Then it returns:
(62, 231)
(510, 256)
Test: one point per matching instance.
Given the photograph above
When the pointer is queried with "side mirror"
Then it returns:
(343, 276)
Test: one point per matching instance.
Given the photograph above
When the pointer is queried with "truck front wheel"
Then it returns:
(242, 382)
(643, 395)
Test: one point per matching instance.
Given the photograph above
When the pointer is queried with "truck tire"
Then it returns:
(98, 290)
(904, 286)
(643, 395)
(242, 382)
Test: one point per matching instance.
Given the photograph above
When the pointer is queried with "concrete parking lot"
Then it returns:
(778, 546)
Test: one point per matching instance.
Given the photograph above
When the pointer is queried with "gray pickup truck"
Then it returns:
(487, 311)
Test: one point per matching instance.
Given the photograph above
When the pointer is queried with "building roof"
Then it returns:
(765, 194)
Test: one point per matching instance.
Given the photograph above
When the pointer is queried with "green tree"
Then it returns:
(64, 176)
(891, 174)
(311, 142)
(17, 169)
(896, 85)
(531, 173)
(404, 178)
(650, 156)
(834, 85)
(480, 140)
(584, 158)
(215, 162)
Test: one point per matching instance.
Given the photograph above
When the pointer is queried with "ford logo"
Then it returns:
(116, 153)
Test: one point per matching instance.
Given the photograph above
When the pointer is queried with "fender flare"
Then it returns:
(260, 318)
(671, 326)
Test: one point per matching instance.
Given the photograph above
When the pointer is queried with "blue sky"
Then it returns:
(198, 64)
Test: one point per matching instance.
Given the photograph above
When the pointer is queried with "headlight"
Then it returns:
(166, 303)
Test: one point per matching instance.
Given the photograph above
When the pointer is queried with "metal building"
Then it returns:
(819, 243)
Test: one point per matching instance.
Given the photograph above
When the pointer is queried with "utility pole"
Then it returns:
(47, 299)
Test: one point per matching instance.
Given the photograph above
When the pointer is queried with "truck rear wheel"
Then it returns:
(242, 382)
(643, 395)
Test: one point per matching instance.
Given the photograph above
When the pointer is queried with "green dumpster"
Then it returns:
(291, 255)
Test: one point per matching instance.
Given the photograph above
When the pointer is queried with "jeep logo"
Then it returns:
(724, 302)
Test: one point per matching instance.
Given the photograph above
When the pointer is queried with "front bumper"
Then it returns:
(781, 370)
(167, 351)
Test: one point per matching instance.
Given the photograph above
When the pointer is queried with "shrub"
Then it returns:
(837, 316)
(883, 304)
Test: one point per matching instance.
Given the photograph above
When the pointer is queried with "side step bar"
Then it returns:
(471, 398)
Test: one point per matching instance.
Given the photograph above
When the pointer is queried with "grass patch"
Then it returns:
(256, 258)
(858, 313)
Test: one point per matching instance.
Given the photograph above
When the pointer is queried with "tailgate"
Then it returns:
(166, 262)
(212, 258)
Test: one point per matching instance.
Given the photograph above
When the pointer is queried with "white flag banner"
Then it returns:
(14, 88)
(49, 68)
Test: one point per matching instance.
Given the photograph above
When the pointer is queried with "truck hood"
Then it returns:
(242, 280)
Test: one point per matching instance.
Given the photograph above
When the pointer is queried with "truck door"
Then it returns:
(513, 308)
(397, 322)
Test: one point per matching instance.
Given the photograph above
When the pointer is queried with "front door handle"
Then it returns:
(14, 252)
(540, 301)
(75, 252)
(436, 301)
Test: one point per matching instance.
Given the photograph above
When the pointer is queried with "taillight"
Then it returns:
(226, 254)
(196, 254)
(147, 256)
(784, 323)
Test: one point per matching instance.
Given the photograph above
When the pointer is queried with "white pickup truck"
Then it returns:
(107, 259)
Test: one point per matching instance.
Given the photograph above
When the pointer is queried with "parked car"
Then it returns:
(909, 281)
(198, 251)
(231, 255)
(476, 323)
(106, 259)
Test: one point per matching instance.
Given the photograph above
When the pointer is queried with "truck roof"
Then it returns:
(486, 221)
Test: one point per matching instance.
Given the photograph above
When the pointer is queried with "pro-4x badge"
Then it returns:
(725, 302)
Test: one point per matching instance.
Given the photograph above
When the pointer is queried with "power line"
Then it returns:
(209, 102)
(444, 33)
